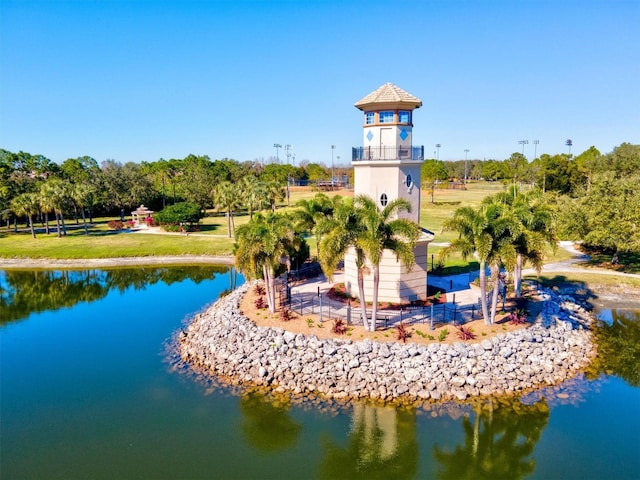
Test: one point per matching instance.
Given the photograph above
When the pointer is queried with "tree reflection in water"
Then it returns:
(498, 441)
(618, 347)
(382, 444)
(267, 426)
(23, 292)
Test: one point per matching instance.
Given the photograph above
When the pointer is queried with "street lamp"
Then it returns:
(568, 143)
(523, 143)
(466, 150)
(535, 148)
(438, 147)
(333, 147)
(277, 146)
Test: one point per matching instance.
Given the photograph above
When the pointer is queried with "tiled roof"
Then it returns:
(389, 93)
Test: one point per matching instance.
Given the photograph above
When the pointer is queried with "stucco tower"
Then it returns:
(387, 167)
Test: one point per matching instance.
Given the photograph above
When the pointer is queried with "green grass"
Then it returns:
(213, 234)
(101, 244)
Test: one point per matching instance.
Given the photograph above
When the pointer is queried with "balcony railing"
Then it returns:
(387, 153)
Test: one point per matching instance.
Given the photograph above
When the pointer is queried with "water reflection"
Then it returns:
(266, 425)
(25, 292)
(498, 441)
(618, 337)
(382, 444)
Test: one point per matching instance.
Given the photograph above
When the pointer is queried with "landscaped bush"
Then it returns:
(182, 212)
(115, 225)
(286, 315)
(403, 332)
(339, 326)
(465, 333)
(260, 303)
(518, 317)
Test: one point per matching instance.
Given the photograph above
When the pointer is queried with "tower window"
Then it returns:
(369, 118)
(404, 116)
(384, 200)
(386, 116)
(409, 181)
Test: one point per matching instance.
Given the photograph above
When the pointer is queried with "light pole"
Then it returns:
(535, 149)
(568, 143)
(277, 146)
(466, 150)
(333, 147)
(438, 147)
(523, 143)
(286, 149)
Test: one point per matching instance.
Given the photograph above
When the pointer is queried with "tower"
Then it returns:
(387, 167)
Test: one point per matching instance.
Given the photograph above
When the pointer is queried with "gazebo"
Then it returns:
(142, 216)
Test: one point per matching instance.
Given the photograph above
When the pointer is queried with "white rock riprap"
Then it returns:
(227, 344)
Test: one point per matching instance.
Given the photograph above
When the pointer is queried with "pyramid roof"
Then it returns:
(389, 94)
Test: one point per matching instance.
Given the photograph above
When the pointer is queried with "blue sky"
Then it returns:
(144, 80)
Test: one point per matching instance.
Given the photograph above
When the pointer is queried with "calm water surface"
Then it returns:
(87, 392)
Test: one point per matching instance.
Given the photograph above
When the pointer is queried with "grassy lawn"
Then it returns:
(212, 237)
(102, 244)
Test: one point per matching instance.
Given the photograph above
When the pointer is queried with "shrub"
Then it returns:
(181, 212)
(286, 315)
(259, 289)
(115, 225)
(518, 317)
(339, 326)
(403, 332)
(309, 322)
(465, 333)
(260, 303)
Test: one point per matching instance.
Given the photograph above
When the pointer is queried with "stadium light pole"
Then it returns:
(569, 143)
(277, 146)
(438, 147)
(333, 147)
(535, 148)
(466, 151)
(523, 143)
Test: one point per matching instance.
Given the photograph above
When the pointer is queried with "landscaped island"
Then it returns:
(226, 344)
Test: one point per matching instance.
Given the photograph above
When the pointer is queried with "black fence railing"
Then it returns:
(387, 153)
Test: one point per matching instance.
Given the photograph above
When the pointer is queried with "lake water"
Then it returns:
(87, 392)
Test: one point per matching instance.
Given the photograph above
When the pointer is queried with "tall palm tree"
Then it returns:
(225, 195)
(262, 245)
(81, 194)
(370, 231)
(54, 193)
(485, 233)
(311, 215)
(537, 228)
(254, 194)
(26, 204)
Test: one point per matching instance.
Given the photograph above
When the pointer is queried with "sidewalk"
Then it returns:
(461, 300)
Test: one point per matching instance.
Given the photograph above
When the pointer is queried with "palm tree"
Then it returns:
(312, 215)
(370, 231)
(225, 195)
(253, 194)
(537, 228)
(26, 204)
(262, 245)
(275, 191)
(81, 194)
(53, 195)
(485, 233)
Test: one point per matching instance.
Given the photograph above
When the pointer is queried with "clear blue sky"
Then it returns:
(144, 80)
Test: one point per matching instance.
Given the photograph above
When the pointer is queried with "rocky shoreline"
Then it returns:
(225, 344)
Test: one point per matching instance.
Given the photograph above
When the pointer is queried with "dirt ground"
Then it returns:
(420, 333)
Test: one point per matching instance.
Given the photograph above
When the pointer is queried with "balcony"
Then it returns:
(386, 153)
